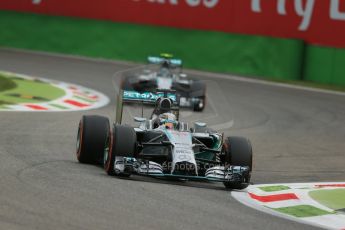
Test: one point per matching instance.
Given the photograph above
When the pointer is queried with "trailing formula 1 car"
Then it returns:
(162, 146)
(192, 92)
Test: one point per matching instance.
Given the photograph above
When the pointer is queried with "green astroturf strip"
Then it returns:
(302, 211)
(30, 88)
(84, 99)
(274, 188)
(333, 199)
(58, 106)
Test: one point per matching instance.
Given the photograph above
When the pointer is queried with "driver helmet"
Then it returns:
(168, 120)
(166, 64)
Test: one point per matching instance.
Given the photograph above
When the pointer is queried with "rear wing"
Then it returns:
(148, 97)
(159, 60)
(144, 98)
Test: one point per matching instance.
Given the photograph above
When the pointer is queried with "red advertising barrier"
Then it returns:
(319, 22)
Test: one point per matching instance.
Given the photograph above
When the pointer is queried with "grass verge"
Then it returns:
(27, 91)
(265, 57)
(6, 83)
(203, 50)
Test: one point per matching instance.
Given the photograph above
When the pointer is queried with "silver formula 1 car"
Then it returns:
(162, 146)
(168, 75)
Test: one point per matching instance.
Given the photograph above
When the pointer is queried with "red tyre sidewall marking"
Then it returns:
(226, 147)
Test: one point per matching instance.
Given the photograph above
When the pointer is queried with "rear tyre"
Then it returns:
(120, 142)
(92, 135)
(238, 152)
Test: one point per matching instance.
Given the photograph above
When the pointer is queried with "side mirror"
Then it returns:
(139, 119)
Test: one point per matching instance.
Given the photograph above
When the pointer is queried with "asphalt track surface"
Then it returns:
(297, 136)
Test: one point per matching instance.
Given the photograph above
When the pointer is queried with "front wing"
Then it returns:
(235, 174)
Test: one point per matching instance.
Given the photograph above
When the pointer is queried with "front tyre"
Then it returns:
(198, 93)
(121, 142)
(92, 135)
(199, 104)
(238, 152)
